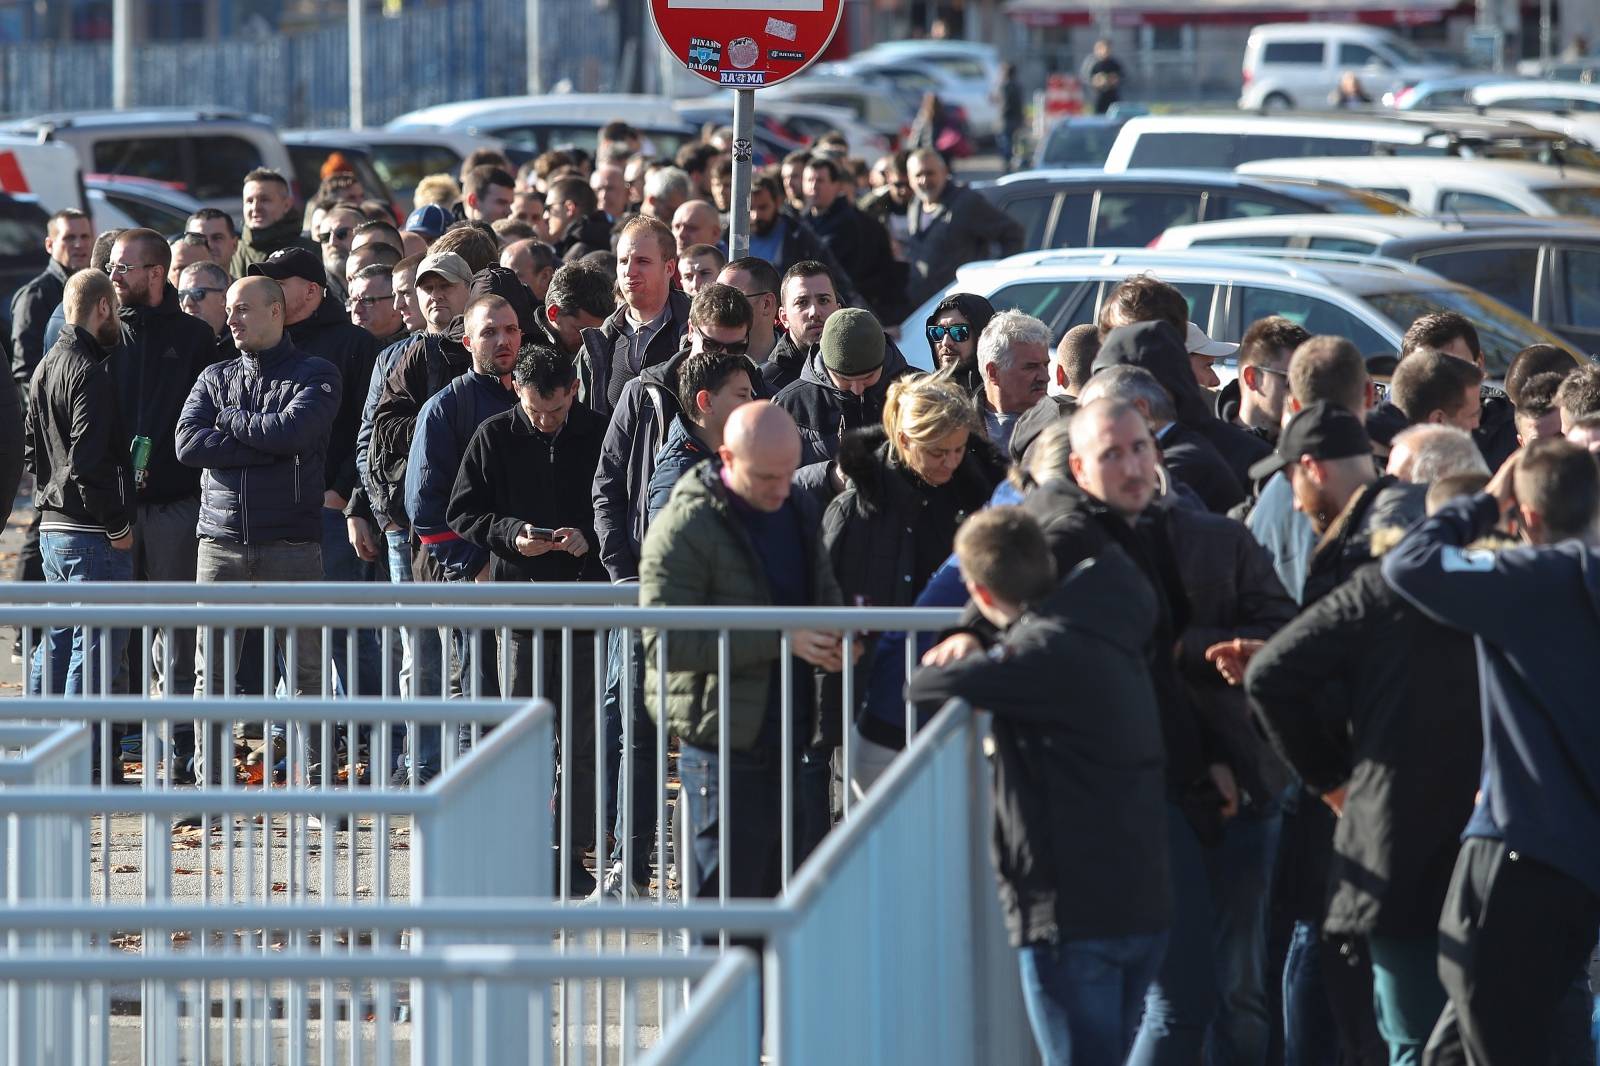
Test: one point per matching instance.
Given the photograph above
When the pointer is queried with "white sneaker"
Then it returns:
(614, 886)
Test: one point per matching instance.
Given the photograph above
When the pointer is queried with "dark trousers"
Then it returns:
(755, 843)
(579, 792)
(642, 780)
(1513, 935)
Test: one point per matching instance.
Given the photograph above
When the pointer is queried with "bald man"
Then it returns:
(732, 534)
(696, 222)
(260, 422)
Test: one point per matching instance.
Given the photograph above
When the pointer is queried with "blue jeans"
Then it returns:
(1240, 874)
(643, 783)
(1084, 996)
(398, 544)
(76, 652)
(1310, 1035)
(754, 802)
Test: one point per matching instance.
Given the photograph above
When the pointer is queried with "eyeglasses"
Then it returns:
(367, 303)
(1269, 370)
(338, 233)
(958, 333)
(117, 270)
(711, 347)
(754, 296)
(195, 295)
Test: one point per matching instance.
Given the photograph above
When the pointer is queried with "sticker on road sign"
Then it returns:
(743, 77)
(743, 52)
(793, 57)
(745, 5)
(784, 31)
(704, 54)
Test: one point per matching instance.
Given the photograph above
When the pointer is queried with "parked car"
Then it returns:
(1226, 140)
(968, 72)
(126, 203)
(1078, 141)
(913, 79)
(1570, 96)
(205, 152)
(1449, 186)
(878, 106)
(1299, 64)
(1372, 304)
(773, 138)
(309, 151)
(1085, 208)
(401, 158)
(798, 121)
(534, 124)
(1432, 94)
(1549, 273)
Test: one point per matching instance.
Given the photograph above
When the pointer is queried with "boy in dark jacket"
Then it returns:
(1529, 845)
(522, 494)
(1078, 780)
(712, 383)
(77, 447)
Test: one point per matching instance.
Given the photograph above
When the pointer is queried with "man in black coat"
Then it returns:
(522, 494)
(949, 226)
(1075, 788)
(161, 355)
(783, 238)
(844, 383)
(69, 237)
(646, 330)
(577, 225)
(857, 241)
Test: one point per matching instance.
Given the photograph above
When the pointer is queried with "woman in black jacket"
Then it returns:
(911, 484)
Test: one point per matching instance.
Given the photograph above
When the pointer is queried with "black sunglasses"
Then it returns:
(198, 293)
(337, 234)
(711, 347)
(958, 333)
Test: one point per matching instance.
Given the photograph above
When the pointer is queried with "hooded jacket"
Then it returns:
(1157, 347)
(1193, 460)
(329, 334)
(444, 429)
(1534, 613)
(503, 282)
(425, 363)
(600, 345)
(77, 440)
(784, 363)
(699, 554)
(155, 366)
(258, 427)
(592, 233)
(1398, 731)
(977, 311)
(255, 245)
(31, 308)
(682, 452)
(818, 405)
(1076, 789)
(376, 494)
(512, 474)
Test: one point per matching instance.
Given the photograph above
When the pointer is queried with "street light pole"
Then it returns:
(121, 53)
(358, 49)
(744, 131)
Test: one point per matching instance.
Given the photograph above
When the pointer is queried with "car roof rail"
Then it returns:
(1155, 258)
(1333, 258)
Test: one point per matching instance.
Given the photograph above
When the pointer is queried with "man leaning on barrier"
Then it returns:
(731, 535)
(258, 426)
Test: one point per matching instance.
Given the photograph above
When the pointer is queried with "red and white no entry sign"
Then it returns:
(746, 44)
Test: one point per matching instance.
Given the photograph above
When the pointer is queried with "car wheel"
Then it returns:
(1276, 102)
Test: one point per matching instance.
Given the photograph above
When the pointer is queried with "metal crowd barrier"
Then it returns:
(890, 936)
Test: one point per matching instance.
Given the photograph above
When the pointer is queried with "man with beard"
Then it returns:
(949, 225)
(778, 235)
(807, 295)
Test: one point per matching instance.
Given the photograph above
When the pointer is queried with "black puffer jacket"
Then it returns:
(329, 335)
(1399, 731)
(77, 439)
(160, 358)
(1157, 347)
(874, 527)
(1078, 759)
(820, 406)
(591, 234)
(512, 474)
(784, 363)
(258, 426)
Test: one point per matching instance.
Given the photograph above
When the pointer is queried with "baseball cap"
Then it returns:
(290, 263)
(852, 342)
(1322, 431)
(430, 220)
(447, 265)
(1198, 343)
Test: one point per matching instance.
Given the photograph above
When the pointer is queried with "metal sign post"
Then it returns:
(744, 125)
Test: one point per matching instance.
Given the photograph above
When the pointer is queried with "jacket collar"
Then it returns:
(282, 231)
(91, 347)
(273, 355)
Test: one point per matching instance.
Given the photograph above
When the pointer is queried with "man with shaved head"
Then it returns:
(732, 534)
(257, 426)
(696, 222)
(534, 263)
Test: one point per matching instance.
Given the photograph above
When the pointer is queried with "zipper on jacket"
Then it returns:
(244, 508)
(297, 478)
(122, 496)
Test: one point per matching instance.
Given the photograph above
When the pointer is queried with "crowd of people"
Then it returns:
(1254, 789)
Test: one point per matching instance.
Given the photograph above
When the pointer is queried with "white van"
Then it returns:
(45, 171)
(1298, 64)
(1453, 186)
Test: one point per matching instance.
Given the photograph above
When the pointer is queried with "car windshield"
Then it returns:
(1502, 332)
(1079, 145)
(1573, 199)
(1346, 200)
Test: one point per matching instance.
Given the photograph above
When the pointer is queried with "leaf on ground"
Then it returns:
(125, 868)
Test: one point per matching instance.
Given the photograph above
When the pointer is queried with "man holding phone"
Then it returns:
(522, 493)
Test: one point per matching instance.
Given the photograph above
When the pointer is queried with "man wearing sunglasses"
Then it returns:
(335, 234)
(162, 354)
(1261, 390)
(202, 294)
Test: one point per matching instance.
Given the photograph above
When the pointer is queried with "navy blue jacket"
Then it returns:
(259, 426)
(682, 452)
(444, 428)
(1535, 612)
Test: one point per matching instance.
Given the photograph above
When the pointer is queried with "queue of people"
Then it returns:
(1286, 685)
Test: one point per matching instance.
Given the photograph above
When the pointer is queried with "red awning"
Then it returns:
(1046, 13)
